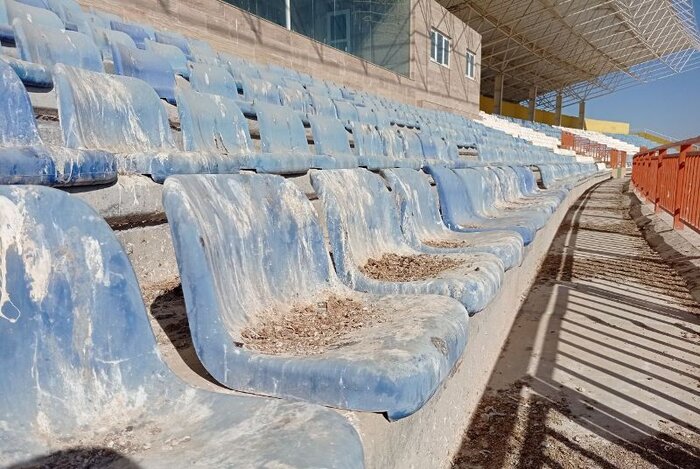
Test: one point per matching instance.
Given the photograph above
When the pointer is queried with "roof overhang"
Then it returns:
(579, 48)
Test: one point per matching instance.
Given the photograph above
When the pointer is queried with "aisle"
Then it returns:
(602, 366)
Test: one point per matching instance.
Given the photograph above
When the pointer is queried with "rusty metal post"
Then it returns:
(660, 155)
(678, 200)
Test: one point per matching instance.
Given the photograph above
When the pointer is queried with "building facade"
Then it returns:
(414, 51)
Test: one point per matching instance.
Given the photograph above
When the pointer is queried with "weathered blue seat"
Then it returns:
(71, 15)
(395, 150)
(174, 39)
(138, 32)
(251, 245)
(215, 124)
(202, 52)
(124, 115)
(363, 224)
(172, 54)
(147, 66)
(369, 147)
(346, 111)
(425, 230)
(511, 190)
(213, 79)
(284, 145)
(7, 35)
(323, 105)
(459, 207)
(37, 14)
(256, 91)
(331, 138)
(24, 159)
(296, 98)
(80, 368)
(104, 38)
(529, 184)
(47, 46)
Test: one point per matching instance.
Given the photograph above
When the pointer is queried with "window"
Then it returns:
(439, 48)
(339, 29)
(471, 64)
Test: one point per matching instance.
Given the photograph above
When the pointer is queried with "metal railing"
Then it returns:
(601, 153)
(671, 181)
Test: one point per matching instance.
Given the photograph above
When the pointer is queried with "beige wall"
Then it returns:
(237, 32)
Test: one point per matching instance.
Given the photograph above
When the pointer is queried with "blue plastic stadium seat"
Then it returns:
(39, 16)
(363, 223)
(331, 138)
(285, 149)
(258, 91)
(249, 244)
(369, 147)
(202, 52)
(105, 38)
(460, 204)
(79, 365)
(138, 32)
(511, 191)
(215, 124)
(32, 75)
(323, 105)
(422, 223)
(174, 39)
(172, 54)
(7, 35)
(395, 150)
(147, 66)
(296, 98)
(24, 159)
(46, 46)
(346, 111)
(124, 115)
(71, 15)
(213, 79)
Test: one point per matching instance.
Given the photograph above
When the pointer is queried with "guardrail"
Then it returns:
(601, 153)
(671, 181)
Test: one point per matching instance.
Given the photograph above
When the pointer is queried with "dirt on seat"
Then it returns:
(311, 329)
(447, 243)
(396, 268)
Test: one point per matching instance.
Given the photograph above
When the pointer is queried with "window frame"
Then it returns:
(470, 58)
(440, 48)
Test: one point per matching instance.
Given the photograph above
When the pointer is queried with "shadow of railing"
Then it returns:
(602, 364)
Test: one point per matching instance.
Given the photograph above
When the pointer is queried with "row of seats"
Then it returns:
(78, 358)
(215, 139)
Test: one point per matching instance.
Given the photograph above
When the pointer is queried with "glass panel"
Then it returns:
(272, 10)
(374, 30)
(446, 53)
(433, 45)
(440, 48)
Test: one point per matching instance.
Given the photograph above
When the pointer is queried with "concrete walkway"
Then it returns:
(602, 366)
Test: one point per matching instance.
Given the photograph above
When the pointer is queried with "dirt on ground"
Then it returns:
(310, 329)
(447, 243)
(396, 268)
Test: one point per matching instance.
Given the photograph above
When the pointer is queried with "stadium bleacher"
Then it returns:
(224, 139)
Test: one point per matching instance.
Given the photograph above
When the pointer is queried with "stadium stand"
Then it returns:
(139, 107)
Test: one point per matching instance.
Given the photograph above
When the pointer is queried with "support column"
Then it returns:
(582, 114)
(557, 109)
(497, 93)
(288, 14)
(531, 104)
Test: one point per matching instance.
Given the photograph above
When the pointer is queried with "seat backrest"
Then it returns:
(411, 143)
(456, 204)
(38, 16)
(104, 38)
(174, 39)
(297, 98)
(323, 105)
(147, 66)
(212, 123)
(110, 112)
(362, 220)
(266, 250)
(256, 90)
(281, 130)
(393, 143)
(48, 46)
(346, 111)
(368, 141)
(71, 14)
(17, 124)
(202, 52)
(139, 33)
(366, 115)
(418, 204)
(213, 79)
(330, 136)
(73, 328)
(172, 54)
